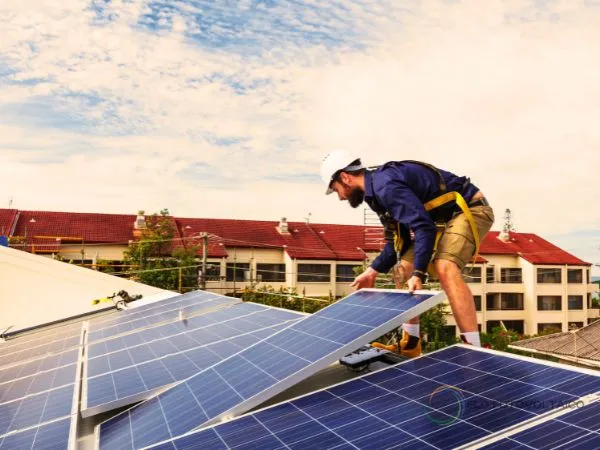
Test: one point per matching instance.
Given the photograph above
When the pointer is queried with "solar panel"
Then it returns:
(159, 312)
(42, 349)
(51, 435)
(43, 364)
(26, 341)
(136, 373)
(41, 408)
(576, 427)
(446, 399)
(250, 377)
(191, 325)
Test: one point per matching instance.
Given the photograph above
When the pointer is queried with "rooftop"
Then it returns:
(46, 231)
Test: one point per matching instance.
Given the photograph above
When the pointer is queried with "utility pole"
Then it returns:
(204, 260)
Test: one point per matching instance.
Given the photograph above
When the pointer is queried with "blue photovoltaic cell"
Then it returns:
(155, 313)
(43, 337)
(54, 435)
(262, 370)
(36, 409)
(43, 381)
(52, 346)
(416, 404)
(34, 367)
(171, 336)
(148, 368)
(578, 429)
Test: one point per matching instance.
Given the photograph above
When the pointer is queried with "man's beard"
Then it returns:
(356, 197)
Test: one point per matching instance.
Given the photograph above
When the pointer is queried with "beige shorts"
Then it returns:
(457, 243)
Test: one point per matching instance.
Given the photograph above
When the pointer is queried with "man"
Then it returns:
(447, 215)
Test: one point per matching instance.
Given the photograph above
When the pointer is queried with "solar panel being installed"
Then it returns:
(254, 375)
(180, 351)
(446, 399)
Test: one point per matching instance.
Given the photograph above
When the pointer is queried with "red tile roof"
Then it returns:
(530, 247)
(108, 228)
(303, 241)
(7, 218)
(300, 242)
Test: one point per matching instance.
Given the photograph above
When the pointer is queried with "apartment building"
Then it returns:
(520, 279)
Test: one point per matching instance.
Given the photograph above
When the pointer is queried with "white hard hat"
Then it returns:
(334, 162)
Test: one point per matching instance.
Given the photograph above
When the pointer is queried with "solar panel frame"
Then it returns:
(266, 392)
(87, 410)
(476, 443)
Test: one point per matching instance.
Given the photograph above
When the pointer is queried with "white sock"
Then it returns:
(412, 329)
(472, 337)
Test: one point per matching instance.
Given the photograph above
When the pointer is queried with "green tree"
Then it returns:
(159, 262)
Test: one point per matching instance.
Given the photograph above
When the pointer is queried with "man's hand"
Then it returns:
(365, 279)
(414, 284)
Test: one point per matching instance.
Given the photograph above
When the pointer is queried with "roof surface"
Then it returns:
(583, 343)
(530, 247)
(302, 241)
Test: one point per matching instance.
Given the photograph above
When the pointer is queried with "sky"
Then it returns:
(225, 109)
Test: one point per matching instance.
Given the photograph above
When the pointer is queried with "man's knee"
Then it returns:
(446, 270)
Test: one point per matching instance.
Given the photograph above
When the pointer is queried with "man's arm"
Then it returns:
(383, 263)
(405, 207)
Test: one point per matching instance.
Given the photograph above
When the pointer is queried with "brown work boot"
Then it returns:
(410, 346)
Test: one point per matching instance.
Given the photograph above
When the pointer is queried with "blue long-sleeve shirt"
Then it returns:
(401, 189)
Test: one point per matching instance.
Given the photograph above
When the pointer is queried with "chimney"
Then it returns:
(504, 236)
(139, 225)
(140, 221)
(283, 226)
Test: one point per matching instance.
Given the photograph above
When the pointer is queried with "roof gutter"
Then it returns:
(575, 359)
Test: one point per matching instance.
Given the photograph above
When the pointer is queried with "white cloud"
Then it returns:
(503, 91)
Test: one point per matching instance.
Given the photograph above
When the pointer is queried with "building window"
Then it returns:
(587, 276)
(515, 325)
(504, 302)
(235, 271)
(344, 273)
(473, 275)
(549, 328)
(213, 272)
(314, 273)
(575, 301)
(511, 275)
(574, 276)
(271, 272)
(549, 302)
(575, 325)
(477, 299)
(489, 275)
(549, 275)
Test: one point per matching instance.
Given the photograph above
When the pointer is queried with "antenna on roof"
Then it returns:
(308, 218)
(10, 202)
(508, 226)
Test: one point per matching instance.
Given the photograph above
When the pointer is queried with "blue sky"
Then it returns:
(225, 109)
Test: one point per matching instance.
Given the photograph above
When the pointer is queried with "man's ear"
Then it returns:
(345, 178)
